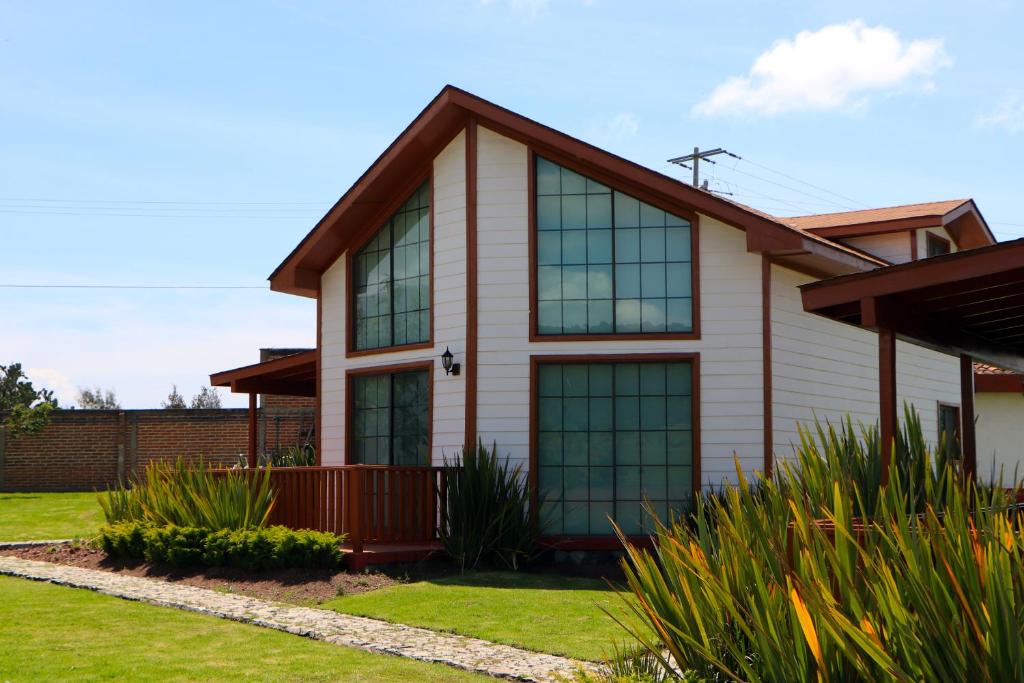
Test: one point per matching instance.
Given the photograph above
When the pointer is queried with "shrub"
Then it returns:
(787, 583)
(192, 495)
(487, 517)
(275, 547)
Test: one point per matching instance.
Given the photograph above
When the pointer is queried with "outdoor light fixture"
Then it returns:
(450, 368)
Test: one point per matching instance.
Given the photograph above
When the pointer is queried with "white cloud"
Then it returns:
(56, 381)
(1008, 114)
(835, 67)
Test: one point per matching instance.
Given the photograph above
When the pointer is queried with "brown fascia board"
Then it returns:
(283, 365)
(444, 117)
(965, 225)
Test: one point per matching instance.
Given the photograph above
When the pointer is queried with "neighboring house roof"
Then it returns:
(960, 217)
(994, 379)
(405, 163)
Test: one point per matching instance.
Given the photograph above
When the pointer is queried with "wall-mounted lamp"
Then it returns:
(450, 368)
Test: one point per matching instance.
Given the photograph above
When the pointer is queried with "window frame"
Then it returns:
(955, 407)
(382, 216)
(930, 239)
(636, 192)
(604, 542)
(395, 368)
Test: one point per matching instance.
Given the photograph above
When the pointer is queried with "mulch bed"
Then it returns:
(296, 586)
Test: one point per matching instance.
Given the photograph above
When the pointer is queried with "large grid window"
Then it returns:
(391, 419)
(613, 435)
(608, 263)
(392, 279)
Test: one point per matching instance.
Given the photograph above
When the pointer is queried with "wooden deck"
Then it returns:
(387, 514)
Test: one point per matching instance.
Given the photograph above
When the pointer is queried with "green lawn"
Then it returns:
(556, 614)
(45, 516)
(52, 633)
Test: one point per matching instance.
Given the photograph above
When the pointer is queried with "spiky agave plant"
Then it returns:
(792, 582)
(487, 510)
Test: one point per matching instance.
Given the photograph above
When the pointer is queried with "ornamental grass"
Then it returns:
(820, 573)
(192, 495)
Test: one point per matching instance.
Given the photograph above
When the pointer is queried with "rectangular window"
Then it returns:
(391, 418)
(391, 279)
(937, 246)
(949, 429)
(608, 263)
(612, 435)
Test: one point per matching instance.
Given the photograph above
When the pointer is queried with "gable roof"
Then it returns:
(960, 217)
(402, 166)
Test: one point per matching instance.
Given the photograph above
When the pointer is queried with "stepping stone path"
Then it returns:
(471, 654)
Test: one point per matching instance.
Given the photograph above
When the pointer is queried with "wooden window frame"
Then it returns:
(939, 405)
(568, 542)
(411, 366)
(636, 192)
(387, 210)
(931, 238)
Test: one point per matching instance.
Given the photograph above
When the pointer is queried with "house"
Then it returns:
(999, 403)
(621, 334)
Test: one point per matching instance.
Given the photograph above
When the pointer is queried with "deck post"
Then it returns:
(253, 435)
(887, 396)
(968, 444)
(354, 490)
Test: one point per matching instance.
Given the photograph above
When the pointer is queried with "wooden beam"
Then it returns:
(968, 443)
(253, 436)
(887, 409)
(278, 387)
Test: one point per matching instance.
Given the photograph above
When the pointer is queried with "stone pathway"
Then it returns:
(32, 544)
(471, 654)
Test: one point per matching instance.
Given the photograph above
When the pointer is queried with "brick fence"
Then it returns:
(89, 449)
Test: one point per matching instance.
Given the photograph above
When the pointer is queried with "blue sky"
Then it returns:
(196, 143)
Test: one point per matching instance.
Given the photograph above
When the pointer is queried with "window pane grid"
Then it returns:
(613, 436)
(390, 415)
(607, 262)
(392, 279)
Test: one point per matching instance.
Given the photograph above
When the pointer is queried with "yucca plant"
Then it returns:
(192, 495)
(821, 575)
(487, 514)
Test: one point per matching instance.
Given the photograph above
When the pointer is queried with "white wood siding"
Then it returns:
(1000, 435)
(730, 362)
(894, 247)
(827, 369)
(449, 288)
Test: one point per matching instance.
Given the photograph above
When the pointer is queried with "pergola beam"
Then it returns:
(888, 415)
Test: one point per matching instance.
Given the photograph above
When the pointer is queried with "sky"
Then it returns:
(194, 144)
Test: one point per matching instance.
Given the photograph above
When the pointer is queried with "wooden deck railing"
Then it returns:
(369, 503)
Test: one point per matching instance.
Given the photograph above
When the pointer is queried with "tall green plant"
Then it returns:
(794, 582)
(192, 495)
(487, 514)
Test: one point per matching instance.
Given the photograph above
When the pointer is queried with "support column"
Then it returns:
(887, 410)
(253, 432)
(968, 444)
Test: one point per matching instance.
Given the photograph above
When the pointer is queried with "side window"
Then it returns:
(949, 429)
(391, 279)
(937, 246)
(391, 418)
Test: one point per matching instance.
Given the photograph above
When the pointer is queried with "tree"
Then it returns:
(174, 399)
(27, 408)
(206, 398)
(97, 399)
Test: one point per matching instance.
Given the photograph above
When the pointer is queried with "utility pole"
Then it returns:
(696, 158)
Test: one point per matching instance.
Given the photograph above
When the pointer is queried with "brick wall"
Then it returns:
(88, 449)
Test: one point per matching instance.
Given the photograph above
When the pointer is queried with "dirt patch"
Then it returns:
(296, 586)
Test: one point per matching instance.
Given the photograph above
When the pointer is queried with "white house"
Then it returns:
(621, 334)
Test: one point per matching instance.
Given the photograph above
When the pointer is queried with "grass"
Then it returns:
(554, 614)
(54, 633)
(46, 516)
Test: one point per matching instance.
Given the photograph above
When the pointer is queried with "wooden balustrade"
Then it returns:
(370, 503)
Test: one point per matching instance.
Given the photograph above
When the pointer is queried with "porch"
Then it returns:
(389, 514)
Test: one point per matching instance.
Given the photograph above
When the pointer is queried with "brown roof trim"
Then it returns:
(445, 116)
(998, 384)
(278, 368)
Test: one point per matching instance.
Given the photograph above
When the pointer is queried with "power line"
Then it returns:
(804, 182)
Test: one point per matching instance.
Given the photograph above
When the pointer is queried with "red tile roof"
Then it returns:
(891, 213)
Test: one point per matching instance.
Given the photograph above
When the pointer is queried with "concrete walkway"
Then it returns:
(471, 654)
